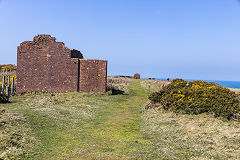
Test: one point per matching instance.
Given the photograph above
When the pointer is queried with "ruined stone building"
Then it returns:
(49, 66)
(136, 76)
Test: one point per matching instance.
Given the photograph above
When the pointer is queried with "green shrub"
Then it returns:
(197, 97)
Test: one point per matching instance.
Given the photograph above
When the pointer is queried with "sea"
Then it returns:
(229, 84)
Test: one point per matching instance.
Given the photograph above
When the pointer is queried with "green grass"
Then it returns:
(99, 126)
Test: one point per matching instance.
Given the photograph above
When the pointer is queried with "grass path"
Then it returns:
(114, 133)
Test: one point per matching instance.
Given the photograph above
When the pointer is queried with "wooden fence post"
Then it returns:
(3, 83)
(12, 87)
(8, 85)
(8, 81)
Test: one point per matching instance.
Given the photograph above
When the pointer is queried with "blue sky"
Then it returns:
(192, 39)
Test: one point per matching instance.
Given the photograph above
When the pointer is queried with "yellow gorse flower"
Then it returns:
(196, 86)
(12, 70)
(9, 67)
(212, 87)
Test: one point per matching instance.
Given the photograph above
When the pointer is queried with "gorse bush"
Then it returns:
(9, 71)
(8, 67)
(197, 97)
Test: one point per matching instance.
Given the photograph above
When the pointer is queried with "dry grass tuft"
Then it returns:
(236, 90)
(203, 136)
(118, 83)
(154, 85)
(14, 140)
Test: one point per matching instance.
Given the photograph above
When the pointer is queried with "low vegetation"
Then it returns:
(16, 137)
(118, 84)
(102, 126)
(154, 85)
(183, 136)
(197, 97)
(9, 67)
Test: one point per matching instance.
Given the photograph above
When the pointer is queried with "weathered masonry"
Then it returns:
(49, 66)
(136, 76)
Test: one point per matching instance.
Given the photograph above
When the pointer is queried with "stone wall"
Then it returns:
(49, 66)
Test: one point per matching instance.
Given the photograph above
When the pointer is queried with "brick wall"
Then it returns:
(49, 66)
(93, 75)
(46, 65)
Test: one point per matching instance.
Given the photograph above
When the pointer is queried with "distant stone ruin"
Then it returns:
(49, 66)
(136, 76)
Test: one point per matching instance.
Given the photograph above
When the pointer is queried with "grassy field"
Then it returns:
(101, 126)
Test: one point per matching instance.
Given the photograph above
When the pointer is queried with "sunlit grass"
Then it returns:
(101, 126)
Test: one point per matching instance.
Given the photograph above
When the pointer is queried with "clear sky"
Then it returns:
(192, 39)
